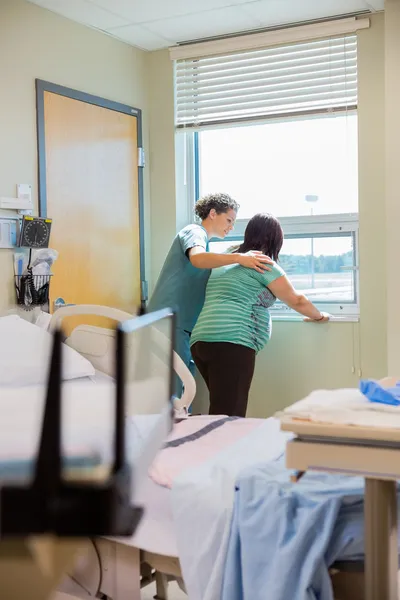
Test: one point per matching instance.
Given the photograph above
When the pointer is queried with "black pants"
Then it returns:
(228, 371)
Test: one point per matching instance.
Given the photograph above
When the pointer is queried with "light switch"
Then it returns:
(8, 233)
(24, 191)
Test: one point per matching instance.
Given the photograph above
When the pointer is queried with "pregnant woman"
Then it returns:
(235, 323)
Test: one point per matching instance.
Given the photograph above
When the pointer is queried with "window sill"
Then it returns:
(334, 318)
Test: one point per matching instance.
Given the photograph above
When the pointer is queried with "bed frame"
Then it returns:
(116, 570)
(109, 569)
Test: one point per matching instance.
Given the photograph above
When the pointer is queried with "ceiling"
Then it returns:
(155, 24)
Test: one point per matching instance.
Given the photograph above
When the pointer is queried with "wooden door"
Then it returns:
(92, 194)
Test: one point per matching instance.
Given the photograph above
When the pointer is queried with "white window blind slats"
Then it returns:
(344, 46)
(323, 100)
(198, 80)
(310, 76)
(260, 78)
(306, 88)
(314, 81)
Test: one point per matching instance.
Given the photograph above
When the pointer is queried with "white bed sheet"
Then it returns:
(19, 436)
(89, 425)
(156, 532)
(86, 424)
(88, 413)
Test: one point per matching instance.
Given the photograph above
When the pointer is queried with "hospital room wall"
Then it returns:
(163, 206)
(36, 43)
(300, 357)
(392, 178)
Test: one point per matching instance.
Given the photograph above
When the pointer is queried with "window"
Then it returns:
(276, 128)
(274, 167)
(321, 265)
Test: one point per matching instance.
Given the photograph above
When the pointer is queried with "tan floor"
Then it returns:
(174, 593)
(350, 587)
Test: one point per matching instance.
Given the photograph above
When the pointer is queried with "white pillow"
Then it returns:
(25, 353)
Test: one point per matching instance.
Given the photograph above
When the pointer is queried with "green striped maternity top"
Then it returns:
(236, 307)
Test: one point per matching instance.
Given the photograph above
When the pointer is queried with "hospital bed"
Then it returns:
(107, 567)
(38, 498)
(117, 568)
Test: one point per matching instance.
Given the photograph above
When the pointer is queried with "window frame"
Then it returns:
(345, 224)
(341, 225)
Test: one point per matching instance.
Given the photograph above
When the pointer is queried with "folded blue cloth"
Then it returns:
(285, 536)
(376, 393)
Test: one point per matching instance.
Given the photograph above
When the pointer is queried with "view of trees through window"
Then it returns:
(323, 277)
(322, 264)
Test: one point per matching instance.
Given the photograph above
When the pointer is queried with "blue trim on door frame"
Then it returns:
(45, 86)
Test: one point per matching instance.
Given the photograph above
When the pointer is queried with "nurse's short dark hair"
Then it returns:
(221, 203)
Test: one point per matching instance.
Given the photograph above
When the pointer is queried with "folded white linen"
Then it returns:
(343, 407)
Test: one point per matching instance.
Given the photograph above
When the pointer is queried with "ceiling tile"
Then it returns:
(165, 22)
(204, 24)
(141, 11)
(277, 12)
(84, 12)
(139, 36)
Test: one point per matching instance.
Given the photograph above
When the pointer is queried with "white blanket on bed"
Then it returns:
(202, 502)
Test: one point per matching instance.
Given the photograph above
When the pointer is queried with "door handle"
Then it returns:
(60, 303)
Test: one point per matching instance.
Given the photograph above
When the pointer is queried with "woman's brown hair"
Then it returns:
(263, 233)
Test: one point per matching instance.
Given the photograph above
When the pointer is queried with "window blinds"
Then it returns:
(307, 77)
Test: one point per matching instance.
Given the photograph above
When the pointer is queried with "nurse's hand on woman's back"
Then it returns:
(254, 259)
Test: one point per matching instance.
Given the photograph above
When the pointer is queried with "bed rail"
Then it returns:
(83, 332)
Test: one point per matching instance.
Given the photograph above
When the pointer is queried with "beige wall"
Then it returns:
(35, 43)
(162, 157)
(300, 357)
(371, 149)
(392, 178)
